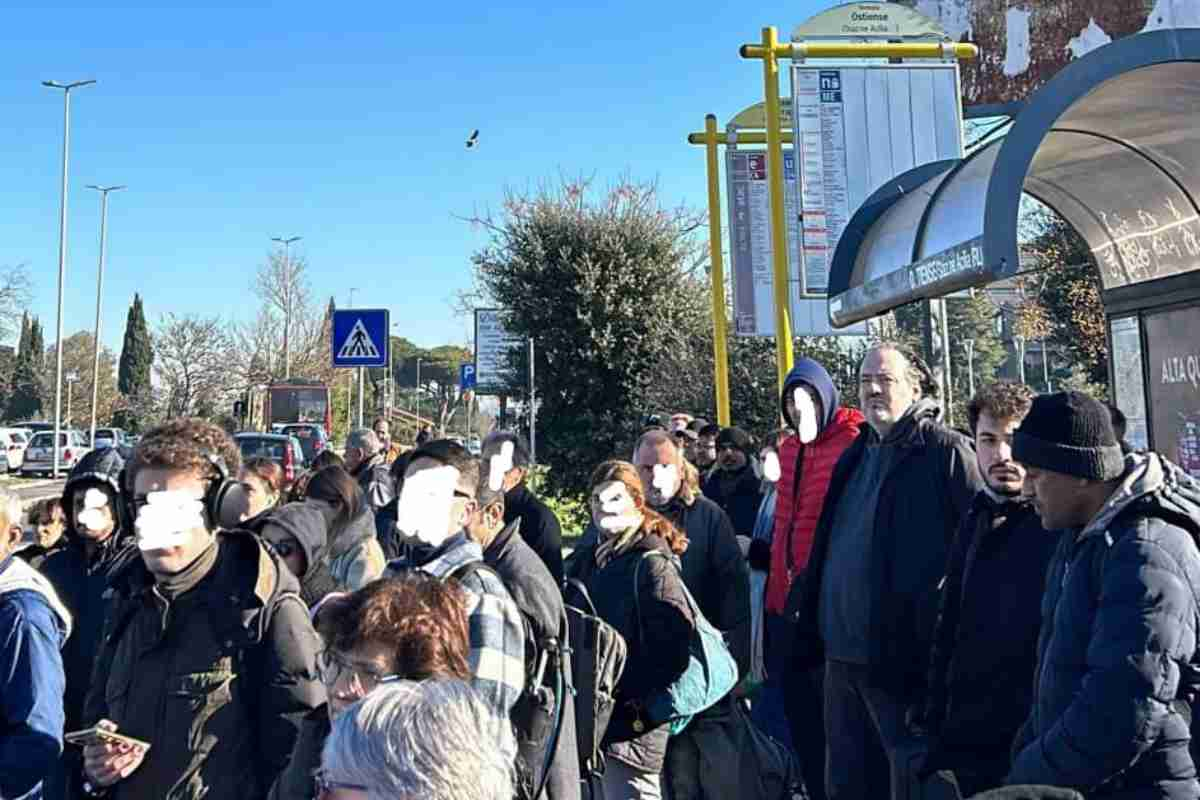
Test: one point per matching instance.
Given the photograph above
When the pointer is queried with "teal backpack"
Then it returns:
(711, 672)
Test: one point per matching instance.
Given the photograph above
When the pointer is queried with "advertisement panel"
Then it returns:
(1173, 358)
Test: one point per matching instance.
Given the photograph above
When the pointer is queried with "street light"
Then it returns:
(104, 190)
(287, 302)
(62, 254)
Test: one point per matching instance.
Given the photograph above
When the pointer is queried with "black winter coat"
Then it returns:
(922, 497)
(715, 572)
(539, 527)
(667, 623)
(216, 683)
(985, 643)
(538, 597)
(1119, 630)
(739, 499)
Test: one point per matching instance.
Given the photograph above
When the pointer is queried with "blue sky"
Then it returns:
(343, 123)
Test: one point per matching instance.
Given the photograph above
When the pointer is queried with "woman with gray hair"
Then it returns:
(418, 741)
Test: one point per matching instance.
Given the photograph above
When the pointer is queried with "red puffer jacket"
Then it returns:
(797, 512)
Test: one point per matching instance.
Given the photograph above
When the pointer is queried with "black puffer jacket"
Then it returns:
(928, 488)
(1119, 631)
(81, 580)
(667, 623)
(537, 596)
(985, 643)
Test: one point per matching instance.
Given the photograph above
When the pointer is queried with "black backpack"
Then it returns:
(599, 654)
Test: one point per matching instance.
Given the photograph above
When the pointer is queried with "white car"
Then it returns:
(13, 442)
(39, 457)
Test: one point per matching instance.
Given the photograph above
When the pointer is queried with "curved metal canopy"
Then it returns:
(1111, 143)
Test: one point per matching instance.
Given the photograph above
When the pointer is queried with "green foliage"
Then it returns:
(134, 370)
(603, 285)
(25, 400)
(570, 508)
(973, 319)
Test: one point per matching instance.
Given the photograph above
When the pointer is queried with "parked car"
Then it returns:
(39, 456)
(35, 427)
(283, 450)
(312, 439)
(13, 442)
(109, 437)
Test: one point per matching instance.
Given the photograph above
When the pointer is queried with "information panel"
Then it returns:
(751, 255)
(493, 344)
(857, 127)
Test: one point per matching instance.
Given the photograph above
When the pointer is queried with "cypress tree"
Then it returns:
(25, 400)
(137, 354)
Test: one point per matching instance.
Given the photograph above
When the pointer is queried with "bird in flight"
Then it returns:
(473, 139)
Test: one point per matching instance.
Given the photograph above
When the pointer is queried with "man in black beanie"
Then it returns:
(1119, 616)
(735, 485)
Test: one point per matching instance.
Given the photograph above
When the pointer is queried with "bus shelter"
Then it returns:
(1112, 145)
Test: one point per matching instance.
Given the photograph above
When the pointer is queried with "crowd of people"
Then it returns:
(903, 610)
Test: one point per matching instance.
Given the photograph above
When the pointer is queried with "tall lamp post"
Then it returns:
(104, 190)
(287, 302)
(62, 253)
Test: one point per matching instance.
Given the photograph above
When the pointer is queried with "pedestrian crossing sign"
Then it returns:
(360, 337)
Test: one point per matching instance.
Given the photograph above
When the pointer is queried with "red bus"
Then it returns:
(299, 400)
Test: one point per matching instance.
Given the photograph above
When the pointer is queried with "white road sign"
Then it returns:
(493, 343)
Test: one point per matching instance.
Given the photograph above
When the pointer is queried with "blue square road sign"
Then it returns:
(466, 377)
(360, 337)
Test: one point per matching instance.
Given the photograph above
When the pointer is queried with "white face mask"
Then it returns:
(499, 466)
(771, 469)
(426, 501)
(807, 424)
(93, 517)
(168, 519)
(615, 509)
(666, 481)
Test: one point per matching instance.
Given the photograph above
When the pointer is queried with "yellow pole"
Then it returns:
(720, 327)
(743, 137)
(779, 238)
(962, 51)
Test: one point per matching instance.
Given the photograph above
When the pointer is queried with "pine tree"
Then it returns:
(137, 354)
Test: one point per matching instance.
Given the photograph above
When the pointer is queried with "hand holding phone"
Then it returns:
(108, 756)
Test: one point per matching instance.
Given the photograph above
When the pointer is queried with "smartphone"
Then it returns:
(97, 734)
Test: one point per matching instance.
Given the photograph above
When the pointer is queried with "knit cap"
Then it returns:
(1070, 433)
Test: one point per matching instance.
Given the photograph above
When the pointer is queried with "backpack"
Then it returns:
(536, 716)
(599, 659)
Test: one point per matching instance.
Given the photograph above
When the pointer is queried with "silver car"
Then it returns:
(39, 457)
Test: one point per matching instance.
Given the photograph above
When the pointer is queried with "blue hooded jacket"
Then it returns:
(33, 626)
(810, 372)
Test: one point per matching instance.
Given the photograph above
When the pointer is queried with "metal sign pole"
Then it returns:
(720, 332)
(532, 409)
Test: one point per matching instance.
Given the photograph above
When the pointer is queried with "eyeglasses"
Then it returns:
(725, 447)
(331, 667)
(323, 788)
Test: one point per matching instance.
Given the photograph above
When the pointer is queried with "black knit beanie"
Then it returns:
(1071, 433)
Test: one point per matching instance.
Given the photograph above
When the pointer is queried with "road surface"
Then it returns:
(31, 489)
